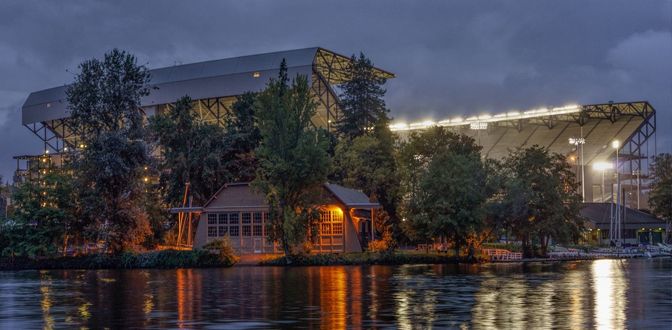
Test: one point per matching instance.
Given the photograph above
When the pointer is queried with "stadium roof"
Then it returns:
(631, 123)
(217, 78)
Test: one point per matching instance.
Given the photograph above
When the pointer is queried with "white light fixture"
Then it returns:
(615, 144)
(602, 166)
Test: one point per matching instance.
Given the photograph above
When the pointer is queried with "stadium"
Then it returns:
(601, 140)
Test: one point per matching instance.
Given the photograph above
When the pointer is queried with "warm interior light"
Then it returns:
(256, 75)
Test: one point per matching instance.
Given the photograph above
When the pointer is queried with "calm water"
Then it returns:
(599, 294)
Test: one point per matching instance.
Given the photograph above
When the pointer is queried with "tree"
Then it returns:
(660, 197)
(368, 163)
(293, 161)
(104, 103)
(44, 217)
(363, 107)
(446, 179)
(193, 152)
(244, 137)
(540, 198)
(365, 157)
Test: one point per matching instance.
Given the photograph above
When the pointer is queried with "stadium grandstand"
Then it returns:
(213, 85)
(589, 135)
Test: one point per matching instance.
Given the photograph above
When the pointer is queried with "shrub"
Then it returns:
(386, 244)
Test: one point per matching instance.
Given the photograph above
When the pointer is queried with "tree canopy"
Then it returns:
(293, 159)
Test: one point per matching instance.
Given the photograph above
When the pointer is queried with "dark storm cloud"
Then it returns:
(450, 58)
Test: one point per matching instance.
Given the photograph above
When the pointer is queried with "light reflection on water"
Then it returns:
(604, 294)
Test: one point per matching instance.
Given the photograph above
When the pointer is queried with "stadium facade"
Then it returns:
(584, 133)
(213, 85)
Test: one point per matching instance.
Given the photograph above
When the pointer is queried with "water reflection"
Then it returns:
(608, 294)
(610, 286)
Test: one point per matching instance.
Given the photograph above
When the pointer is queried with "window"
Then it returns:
(265, 216)
(233, 218)
(247, 230)
(325, 229)
(337, 228)
(223, 218)
(233, 231)
(247, 217)
(212, 218)
(257, 217)
(256, 230)
(222, 231)
(212, 231)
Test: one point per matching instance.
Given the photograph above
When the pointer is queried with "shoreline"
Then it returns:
(113, 262)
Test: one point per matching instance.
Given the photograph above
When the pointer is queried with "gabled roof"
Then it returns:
(350, 197)
(599, 214)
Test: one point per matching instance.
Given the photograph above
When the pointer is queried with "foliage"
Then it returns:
(539, 200)
(44, 216)
(244, 137)
(221, 247)
(660, 197)
(385, 244)
(365, 157)
(368, 163)
(104, 102)
(197, 258)
(362, 100)
(368, 258)
(193, 152)
(293, 161)
(447, 186)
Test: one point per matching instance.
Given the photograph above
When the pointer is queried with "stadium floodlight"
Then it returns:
(399, 127)
(602, 166)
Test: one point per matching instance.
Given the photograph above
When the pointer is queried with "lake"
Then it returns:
(604, 294)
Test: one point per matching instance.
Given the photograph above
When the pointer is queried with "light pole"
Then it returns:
(603, 167)
(579, 142)
(617, 233)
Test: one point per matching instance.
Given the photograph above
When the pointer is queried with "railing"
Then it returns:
(502, 255)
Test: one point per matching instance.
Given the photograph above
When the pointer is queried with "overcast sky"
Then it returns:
(450, 58)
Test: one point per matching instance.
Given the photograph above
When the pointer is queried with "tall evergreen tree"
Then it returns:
(293, 161)
(104, 103)
(362, 100)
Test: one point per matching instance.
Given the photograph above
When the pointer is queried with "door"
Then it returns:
(257, 245)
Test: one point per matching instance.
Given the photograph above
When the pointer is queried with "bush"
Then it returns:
(198, 258)
(366, 258)
(386, 244)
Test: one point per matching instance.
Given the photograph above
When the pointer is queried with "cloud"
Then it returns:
(451, 58)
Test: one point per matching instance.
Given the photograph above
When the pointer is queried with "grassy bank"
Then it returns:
(368, 258)
(127, 260)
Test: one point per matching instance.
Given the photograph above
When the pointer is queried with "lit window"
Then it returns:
(212, 218)
(337, 228)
